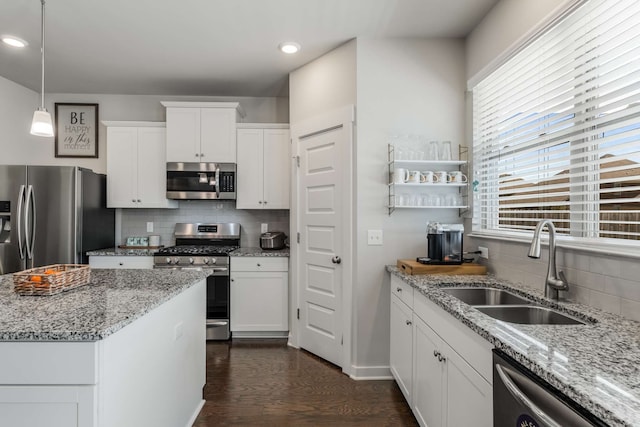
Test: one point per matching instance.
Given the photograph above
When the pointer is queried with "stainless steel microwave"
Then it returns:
(201, 181)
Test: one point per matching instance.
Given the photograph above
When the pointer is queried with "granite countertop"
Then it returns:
(112, 300)
(261, 252)
(122, 252)
(597, 364)
(247, 252)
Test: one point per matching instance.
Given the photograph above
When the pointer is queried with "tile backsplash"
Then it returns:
(610, 283)
(133, 222)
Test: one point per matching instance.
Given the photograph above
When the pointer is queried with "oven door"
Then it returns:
(218, 305)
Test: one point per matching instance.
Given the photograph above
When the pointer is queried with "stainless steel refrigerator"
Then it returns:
(52, 215)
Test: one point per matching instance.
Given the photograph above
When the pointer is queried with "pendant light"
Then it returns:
(42, 124)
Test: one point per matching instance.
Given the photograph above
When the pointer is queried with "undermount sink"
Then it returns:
(529, 315)
(486, 296)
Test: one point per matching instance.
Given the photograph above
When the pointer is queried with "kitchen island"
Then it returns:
(128, 349)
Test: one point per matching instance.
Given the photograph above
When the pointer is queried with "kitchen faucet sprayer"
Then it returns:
(554, 281)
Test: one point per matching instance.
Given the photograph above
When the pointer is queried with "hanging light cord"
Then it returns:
(42, 51)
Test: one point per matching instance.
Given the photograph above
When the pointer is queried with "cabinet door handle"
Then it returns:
(442, 359)
(436, 353)
(120, 263)
(233, 280)
(260, 201)
(197, 155)
(398, 289)
(408, 322)
(139, 201)
(265, 202)
(258, 264)
(133, 200)
(201, 154)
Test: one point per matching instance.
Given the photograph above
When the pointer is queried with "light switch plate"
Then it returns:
(150, 226)
(374, 237)
(264, 227)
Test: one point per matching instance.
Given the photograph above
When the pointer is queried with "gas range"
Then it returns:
(200, 245)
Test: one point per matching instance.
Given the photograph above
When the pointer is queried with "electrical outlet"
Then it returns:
(150, 227)
(374, 237)
(484, 252)
(264, 228)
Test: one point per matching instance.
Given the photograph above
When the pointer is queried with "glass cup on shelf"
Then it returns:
(432, 153)
(445, 150)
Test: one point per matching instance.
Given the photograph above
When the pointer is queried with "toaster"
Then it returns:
(272, 240)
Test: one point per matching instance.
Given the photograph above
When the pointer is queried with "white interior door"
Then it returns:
(322, 253)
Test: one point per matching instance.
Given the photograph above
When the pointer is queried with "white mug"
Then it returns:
(400, 175)
(414, 177)
(427, 177)
(457, 176)
(443, 177)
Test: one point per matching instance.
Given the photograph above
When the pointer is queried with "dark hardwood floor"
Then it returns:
(266, 383)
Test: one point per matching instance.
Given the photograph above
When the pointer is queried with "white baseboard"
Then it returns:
(260, 334)
(195, 413)
(370, 373)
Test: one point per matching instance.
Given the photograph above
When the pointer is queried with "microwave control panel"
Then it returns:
(227, 182)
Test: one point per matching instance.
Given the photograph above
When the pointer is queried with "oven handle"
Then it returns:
(220, 271)
(217, 322)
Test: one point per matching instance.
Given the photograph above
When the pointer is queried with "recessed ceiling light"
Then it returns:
(289, 47)
(14, 41)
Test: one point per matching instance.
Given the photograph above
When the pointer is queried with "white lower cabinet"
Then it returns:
(108, 261)
(451, 373)
(259, 296)
(50, 406)
(401, 351)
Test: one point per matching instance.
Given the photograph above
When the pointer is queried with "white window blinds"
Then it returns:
(556, 129)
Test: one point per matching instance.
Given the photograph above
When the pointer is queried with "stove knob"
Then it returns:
(213, 260)
(176, 260)
(206, 260)
(167, 260)
(191, 260)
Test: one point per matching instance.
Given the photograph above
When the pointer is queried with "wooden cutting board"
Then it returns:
(408, 266)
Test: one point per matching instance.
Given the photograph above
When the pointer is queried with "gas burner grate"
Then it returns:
(197, 250)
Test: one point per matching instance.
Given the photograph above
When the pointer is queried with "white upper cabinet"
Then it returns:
(263, 166)
(202, 131)
(136, 165)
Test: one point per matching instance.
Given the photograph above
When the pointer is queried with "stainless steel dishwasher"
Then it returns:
(521, 398)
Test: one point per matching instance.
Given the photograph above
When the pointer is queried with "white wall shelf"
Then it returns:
(448, 165)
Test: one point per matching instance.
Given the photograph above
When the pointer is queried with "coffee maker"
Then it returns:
(444, 244)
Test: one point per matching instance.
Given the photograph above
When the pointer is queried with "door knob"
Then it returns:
(336, 260)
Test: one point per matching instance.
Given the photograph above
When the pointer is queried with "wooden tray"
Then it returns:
(412, 267)
(51, 279)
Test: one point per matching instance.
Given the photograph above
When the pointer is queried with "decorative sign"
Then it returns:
(76, 130)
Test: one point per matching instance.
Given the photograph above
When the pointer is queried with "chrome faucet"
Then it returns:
(554, 281)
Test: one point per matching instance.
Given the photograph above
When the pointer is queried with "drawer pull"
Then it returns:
(398, 289)
(408, 322)
(120, 263)
(258, 264)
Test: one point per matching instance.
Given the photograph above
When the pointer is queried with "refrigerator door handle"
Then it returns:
(20, 205)
(547, 421)
(30, 235)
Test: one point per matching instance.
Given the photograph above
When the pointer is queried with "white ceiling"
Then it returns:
(204, 47)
